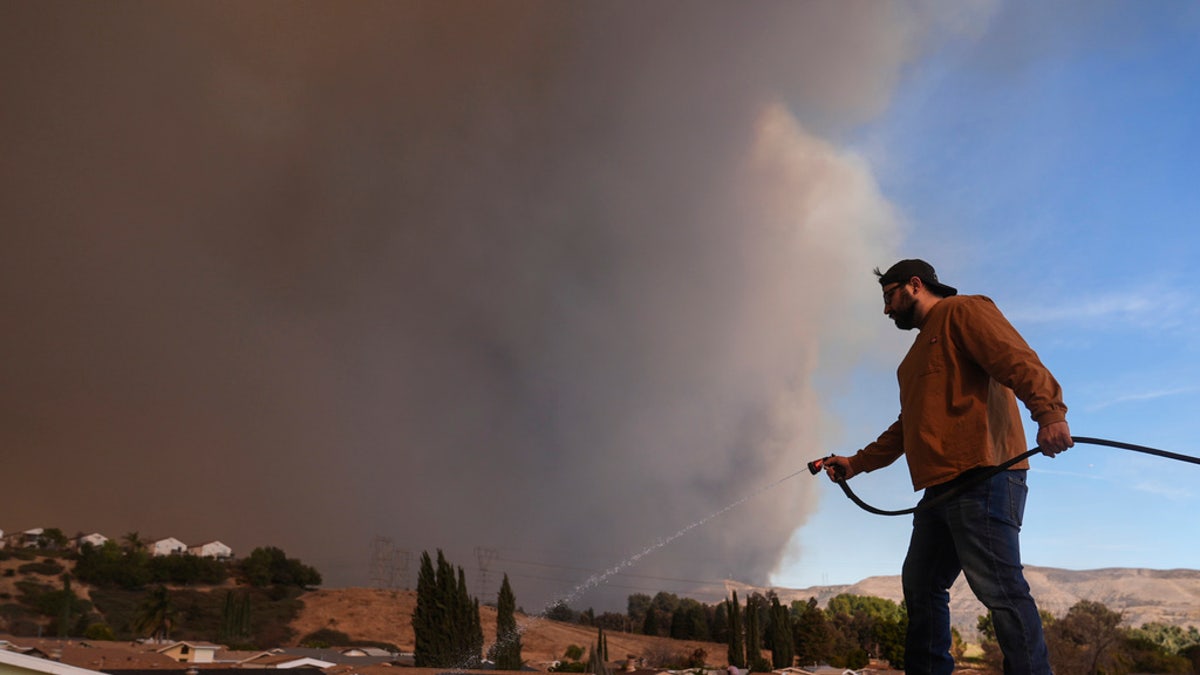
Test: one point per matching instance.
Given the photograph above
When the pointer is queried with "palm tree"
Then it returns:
(156, 615)
(134, 541)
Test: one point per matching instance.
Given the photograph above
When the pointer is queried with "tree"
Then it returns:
(133, 541)
(507, 651)
(156, 614)
(1089, 639)
(636, 608)
(689, 621)
(737, 645)
(650, 623)
(783, 648)
(720, 622)
(53, 538)
(596, 662)
(429, 621)
(754, 640)
(235, 618)
(448, 633)
(813, 635)
(270, 566)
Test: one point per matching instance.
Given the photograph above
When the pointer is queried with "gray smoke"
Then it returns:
(549, 278)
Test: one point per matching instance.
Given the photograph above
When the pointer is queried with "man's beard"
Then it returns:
(905, 317)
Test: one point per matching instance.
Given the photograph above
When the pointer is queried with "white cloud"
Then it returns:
(1149, 305)
(1167, 491)
(1142, 396)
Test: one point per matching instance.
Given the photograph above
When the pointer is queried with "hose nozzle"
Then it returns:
(815, 466)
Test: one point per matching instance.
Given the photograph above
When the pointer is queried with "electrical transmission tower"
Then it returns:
(382, 550)
(400, 562)
(486, 557)
(389, 565)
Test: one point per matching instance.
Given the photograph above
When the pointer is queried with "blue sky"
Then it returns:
(1050, 163)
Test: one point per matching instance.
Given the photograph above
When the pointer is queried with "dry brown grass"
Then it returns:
(386, 616)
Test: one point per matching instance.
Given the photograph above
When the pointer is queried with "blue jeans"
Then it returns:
(975, 532)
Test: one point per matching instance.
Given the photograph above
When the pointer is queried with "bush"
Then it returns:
(325, 638)
(187, 569)
(46, 567)
(99, 631)
(270, 566)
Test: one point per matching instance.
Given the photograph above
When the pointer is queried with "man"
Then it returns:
(958, 416)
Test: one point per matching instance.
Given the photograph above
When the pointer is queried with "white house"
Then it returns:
(95, 539)
(284, 662)
(212, 549)
(32, 538)
(168, 546)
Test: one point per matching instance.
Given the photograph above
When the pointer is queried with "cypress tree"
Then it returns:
(426, 617)
(783, 648)
(596, 660)
(467, 631)
(737, 650)
(753, 633)
(243, 618)
(446, 622)
(508, 640)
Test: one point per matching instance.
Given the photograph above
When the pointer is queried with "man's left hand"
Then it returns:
(1054, 438)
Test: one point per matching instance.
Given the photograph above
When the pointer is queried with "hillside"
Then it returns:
(1142, 595)
(386, 616)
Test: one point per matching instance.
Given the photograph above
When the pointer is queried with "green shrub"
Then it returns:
(99, 631)
(46, 567)
(325, 638)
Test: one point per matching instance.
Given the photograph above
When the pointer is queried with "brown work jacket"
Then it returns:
(957, 404)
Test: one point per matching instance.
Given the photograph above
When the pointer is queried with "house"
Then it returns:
(286, 661)
(191, 652)
(13, 663)
(94, 539)
(212, 549)
(167, 546)
(374, 652)
(2, 542)
(31, 538)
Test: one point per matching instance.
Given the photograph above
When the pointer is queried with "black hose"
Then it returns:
(980, 476)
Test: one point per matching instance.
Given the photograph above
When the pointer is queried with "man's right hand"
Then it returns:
(838, 468)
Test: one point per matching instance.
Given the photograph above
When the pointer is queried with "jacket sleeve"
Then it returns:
(882, 452)
(991, 341)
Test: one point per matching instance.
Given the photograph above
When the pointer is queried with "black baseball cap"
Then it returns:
(904, 270)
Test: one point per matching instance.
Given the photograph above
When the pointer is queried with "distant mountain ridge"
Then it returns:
(1141, 595)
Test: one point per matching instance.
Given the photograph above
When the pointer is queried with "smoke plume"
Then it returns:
(550, 279)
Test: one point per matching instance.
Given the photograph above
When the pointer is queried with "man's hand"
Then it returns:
(1054, 438)
(838, 468)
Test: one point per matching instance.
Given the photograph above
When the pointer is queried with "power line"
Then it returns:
(623, 574)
